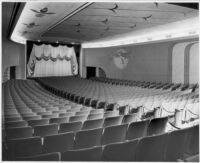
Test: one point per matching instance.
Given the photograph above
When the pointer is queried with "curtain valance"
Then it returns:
(53, 58)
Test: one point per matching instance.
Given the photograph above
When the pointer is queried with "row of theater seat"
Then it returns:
(163, 147)
(145, 84)
(167, 102)
(130, 130)
(20, 94)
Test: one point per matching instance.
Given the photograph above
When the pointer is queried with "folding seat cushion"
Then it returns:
(129, 118)
(120, 151)
(94, 103)
(102, 105)
(45, 130)
(112, 106)
(151, 148)
(175, 145)
(56, 156)
(88, 154)
(38, 110)
(112, 121)
(81, 100)
(95, 116)
(157, 126)
(16, 124)
(88, 138)
(92, 124)
(111, 114)
(137, 129)
(77, 118)
(19, 132)
(24, 147)
(96, 111)
(87, 101)
(82, 113)
(114, 134)
(59, 120)
(58, 143)
(55, 115)
(68, 127)
(32, 117)
(38, 122)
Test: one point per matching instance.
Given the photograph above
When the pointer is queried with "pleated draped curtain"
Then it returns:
(46, 60)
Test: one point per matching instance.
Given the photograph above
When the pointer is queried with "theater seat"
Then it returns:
(16, 124)
(130, 118)
(92, 124)
(56, 156)
(157, 126)
(175, 145)
(95, 116)
(68, 127)
(120, 151)
(88, 154)
(59, 120)
(112, 121)
(114, 134)
(45, 130)
(19, 132)
(58, 143)
(24, 147)
(111, 114)
(137, 130)
(88, 138)
(38, 122)
(151, 148)
(77, 118)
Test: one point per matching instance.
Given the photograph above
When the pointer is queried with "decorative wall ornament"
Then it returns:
(120, 58)
(42, 12)
(114, 9)
(31, 25)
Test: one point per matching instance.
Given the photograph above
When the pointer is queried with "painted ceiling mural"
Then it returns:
(90, 21)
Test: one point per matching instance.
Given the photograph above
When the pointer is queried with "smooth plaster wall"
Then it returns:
(147, 62)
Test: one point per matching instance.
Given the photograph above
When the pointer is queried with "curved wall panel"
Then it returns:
(194, 63)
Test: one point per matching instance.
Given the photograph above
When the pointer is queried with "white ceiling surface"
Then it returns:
(97, 21)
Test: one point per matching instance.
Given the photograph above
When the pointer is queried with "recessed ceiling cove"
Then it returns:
(91, 21)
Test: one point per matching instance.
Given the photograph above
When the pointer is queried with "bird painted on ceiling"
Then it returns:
(31, 25)
(23, 33)
(78, 25)
(78, 31)
(133, 26)
(146, 18)
(114, 8)
(42, 12)
(105, 21)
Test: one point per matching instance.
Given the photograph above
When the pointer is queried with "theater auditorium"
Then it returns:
(100, 81)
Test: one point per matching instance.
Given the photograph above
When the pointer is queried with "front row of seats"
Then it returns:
(172, 146)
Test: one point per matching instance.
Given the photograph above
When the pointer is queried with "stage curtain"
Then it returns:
(46, 60)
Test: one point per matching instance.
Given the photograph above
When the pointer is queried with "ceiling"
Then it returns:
(79, 22)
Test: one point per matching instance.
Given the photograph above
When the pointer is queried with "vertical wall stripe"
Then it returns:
(187, 62)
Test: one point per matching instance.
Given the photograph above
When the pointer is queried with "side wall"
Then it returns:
(13, 54)
(147, 62)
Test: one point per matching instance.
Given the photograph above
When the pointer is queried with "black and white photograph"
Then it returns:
(98, 81)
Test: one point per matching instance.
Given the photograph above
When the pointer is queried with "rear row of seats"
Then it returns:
(164, 147)
(112, 127)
